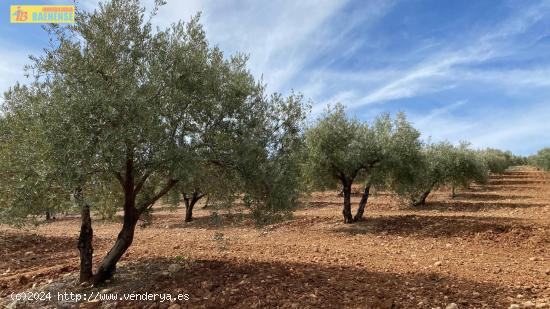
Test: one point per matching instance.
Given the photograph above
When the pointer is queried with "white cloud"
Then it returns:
(288, 42)
(518, 129)
(439, 70)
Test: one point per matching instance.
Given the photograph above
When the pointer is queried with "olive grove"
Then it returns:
(119, 115)
(115, 102)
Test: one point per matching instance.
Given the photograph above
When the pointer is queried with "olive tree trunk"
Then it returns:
(362, 204)
(85, 246)
(421, 201)
(125, 237)
(346, 189)
(190, 202)
(131, 216)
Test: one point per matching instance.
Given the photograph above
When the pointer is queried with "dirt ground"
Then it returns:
(487, 248)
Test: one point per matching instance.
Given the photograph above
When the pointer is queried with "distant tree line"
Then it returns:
(119, 114)
(389, 154)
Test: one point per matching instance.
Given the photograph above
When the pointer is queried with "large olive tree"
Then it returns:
(124, 103)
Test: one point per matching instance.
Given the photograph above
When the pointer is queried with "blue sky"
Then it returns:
(461, 70)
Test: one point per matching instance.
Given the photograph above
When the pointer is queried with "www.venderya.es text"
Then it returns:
(98, 296)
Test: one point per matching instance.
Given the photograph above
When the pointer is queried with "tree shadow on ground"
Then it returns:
(319, 204)
(504, 183)
(488, 196)
(20, 250)
(475, 206)
(28, 255)
(439, 226)
(252, 284)
(26, 258)
(515, 174)
(215, 221)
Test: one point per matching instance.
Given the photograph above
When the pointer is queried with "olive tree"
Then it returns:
(341, 150)
(28, 184)
(541, 159)
(438, 165)
(127, 104)
(497, 160)
(467, 167)
(194, 187)
(269, 156)
(37, 172)
(429, 170)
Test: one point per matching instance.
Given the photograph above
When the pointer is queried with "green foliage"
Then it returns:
(105, 198)
(339, 147)
(269, 168)
(541, 159)
(124, 112)
(341, 150)
(29, 184)
(440, 165)
(497, 160)
(403, 156)
(468, 167)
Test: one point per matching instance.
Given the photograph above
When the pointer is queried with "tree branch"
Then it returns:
(140, 183)
(155, 198)
(119, 178)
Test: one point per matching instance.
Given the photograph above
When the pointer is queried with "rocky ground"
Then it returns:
(487, 248)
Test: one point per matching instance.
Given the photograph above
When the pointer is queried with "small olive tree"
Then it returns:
(439, 165)
(467, 168)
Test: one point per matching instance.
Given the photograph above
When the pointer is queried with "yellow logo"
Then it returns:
(42, 14)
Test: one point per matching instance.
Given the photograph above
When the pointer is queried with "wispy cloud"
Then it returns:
(427, 77)
(441, 68)
(521, 130)
(282, 37)
(462, 79)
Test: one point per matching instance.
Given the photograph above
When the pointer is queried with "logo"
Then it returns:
(42, 13)
(20, 16)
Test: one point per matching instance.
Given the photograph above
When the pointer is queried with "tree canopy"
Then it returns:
(116, 102)
(340, 150)
(541, 159)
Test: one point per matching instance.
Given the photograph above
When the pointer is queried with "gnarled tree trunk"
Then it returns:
(421, 201)
(362, 204)
(131, 215)
(346, 184)
(190, 202)
(85, 246)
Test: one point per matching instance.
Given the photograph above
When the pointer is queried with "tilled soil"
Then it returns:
(489, 247)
